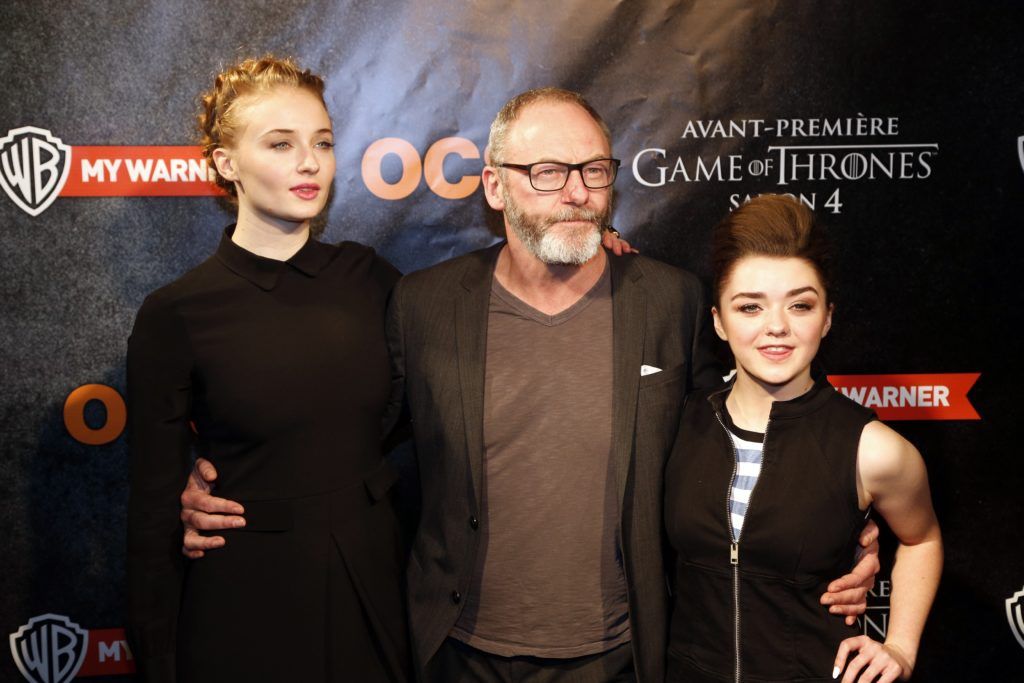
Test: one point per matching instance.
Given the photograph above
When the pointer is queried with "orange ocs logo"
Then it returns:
(74, 414)
(414, 169)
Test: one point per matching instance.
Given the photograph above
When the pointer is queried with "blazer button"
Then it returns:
(474, 523)
(456, 597)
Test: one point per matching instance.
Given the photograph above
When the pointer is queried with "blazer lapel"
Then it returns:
(629, 316)
(471, 309)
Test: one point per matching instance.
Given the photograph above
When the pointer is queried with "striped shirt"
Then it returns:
(749, 451)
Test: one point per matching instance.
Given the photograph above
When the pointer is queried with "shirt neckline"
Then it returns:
(527, 311)
(745, 434)
(265, 272)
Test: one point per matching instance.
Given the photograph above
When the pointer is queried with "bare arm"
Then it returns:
(892, 477)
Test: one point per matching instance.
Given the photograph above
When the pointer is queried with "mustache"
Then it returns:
(577, 214)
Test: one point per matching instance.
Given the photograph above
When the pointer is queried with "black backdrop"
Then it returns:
(930, 243)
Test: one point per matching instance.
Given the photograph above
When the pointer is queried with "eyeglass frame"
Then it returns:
(528, 168)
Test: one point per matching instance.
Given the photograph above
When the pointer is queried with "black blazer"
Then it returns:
(437, 328)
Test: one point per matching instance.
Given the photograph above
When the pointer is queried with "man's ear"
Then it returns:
(492, 182)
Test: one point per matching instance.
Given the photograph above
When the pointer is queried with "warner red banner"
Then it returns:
(108, 654)
(912, 397)
(162, 171)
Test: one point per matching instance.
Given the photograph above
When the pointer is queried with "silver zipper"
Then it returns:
(734, 543)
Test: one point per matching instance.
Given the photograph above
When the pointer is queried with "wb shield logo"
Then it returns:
(50, 648)
(1015, 615)
(33, 167)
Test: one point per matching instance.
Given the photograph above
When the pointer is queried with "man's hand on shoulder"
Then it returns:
(202, 511)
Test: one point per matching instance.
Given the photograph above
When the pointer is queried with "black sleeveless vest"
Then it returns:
(750, 610)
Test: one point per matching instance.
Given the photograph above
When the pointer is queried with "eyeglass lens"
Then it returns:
(596, 175)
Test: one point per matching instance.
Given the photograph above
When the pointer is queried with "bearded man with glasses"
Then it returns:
(545, 380)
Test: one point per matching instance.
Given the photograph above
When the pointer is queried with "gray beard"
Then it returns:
(557, 249)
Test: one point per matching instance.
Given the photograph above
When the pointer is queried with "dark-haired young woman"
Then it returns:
(773, 474)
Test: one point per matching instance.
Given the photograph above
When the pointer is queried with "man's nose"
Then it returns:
(575, 191)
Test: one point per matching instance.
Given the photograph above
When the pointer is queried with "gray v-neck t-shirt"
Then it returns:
(549, 580)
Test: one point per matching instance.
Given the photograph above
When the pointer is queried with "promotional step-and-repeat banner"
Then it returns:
(900, 124)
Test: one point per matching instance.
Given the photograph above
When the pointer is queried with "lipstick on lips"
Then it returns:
(306, 190)
(776, 351)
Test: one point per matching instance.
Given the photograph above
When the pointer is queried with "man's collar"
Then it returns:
(265, 272)
(480, 268)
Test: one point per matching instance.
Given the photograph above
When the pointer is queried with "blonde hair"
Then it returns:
(514, 107)
(218, 120)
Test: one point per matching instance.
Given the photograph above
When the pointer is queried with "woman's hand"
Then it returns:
(611, 240)
(874, 661)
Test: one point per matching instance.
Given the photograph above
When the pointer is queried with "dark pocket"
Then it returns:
(662, 377)
(702, 623)
(766, 628)
(659, 405)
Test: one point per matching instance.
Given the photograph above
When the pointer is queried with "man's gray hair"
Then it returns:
(514, 107)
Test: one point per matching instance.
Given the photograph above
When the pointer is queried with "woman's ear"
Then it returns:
(828, 320)
(225, 164)
(719, 330)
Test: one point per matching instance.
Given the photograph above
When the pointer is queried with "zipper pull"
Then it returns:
(734, 553)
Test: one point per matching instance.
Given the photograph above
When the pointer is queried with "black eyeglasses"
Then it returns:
(548, 176)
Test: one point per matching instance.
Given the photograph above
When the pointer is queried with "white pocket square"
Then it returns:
(648, 370)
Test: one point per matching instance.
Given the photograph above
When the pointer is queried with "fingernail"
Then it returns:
(835, 672)
(833, 610)
(827, 600)
(239, 522)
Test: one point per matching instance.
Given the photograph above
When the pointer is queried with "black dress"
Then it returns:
(278, 373)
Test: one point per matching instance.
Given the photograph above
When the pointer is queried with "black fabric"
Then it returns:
(745, 434)
(800, 532)
(457, 662)
(278, 373)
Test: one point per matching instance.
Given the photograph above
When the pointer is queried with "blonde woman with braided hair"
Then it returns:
(269, 360)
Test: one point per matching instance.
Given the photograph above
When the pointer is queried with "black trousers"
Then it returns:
(457, 662)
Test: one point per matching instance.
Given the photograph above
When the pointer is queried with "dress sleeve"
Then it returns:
(159, 403)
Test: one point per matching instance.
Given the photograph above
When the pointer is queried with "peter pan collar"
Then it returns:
(265, 272)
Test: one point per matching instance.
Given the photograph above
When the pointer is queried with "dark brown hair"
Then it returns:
(770, 225)
(218, 120)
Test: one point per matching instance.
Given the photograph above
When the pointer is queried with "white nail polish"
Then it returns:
(835, 672)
